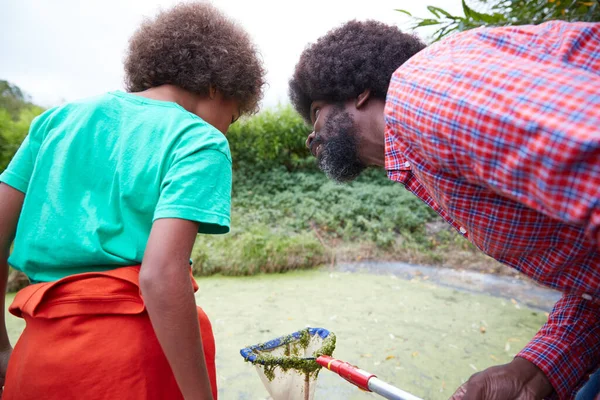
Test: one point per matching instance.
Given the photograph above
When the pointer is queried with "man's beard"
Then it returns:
(338, 156)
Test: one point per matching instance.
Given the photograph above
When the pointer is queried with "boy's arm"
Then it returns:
(11, 202)
(169, 298)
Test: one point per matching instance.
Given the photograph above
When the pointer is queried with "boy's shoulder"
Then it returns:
(171, 119)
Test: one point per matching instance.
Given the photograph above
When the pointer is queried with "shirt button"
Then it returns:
(462, 230)
(586, 296)
(406, 164)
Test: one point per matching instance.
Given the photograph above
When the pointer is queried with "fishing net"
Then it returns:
(281, 363)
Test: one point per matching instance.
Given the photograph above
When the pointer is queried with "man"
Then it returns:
(498, 131)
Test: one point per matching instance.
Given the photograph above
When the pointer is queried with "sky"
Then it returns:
(63, 50)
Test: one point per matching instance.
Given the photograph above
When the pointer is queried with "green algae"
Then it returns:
(292, 360)
(418, 336)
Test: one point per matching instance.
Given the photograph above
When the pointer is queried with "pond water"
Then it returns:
(414, 333)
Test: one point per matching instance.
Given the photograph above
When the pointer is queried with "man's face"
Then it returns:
(334, 142)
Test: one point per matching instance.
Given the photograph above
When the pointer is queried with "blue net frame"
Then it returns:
(250, 353)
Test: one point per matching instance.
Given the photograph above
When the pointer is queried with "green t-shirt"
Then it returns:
(98, 172)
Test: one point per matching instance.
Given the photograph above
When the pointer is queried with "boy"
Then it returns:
(103, 185)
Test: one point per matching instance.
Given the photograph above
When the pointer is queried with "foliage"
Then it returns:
(371, 208)
(507, 12)
(256, 249)
(284, 221)
(13, 132)
(12, 99)
(16, 114)
(270, 139)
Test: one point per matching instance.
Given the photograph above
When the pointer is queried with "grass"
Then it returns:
(257, 249)
(286, 221)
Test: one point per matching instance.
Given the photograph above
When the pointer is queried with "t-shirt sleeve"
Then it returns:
(197, 187)
(19, 170)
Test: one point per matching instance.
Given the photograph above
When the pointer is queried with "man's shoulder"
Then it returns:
(487, 43)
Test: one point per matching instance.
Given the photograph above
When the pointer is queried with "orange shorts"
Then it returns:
(88, 336)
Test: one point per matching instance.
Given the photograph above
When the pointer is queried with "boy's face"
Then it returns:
(218, 111)
(335, 140)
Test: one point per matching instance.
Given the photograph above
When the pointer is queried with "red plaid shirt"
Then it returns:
(498, 130)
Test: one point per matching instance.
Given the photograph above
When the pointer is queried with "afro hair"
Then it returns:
(348, 60)
(195, 46)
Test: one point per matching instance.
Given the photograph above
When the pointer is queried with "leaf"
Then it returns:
(416, 353)
(435, 10)
(390, 357)
(466, 9)
(404, 11)
(427, 22)
(481, 17)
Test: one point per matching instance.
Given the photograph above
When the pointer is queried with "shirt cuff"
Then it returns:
(210, 222)
(14, 181)
(567, 348)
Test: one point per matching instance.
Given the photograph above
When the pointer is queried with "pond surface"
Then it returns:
(414, 333)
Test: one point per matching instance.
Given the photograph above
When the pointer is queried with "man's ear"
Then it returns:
(362, 98)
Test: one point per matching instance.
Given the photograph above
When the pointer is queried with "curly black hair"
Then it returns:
(194, 46)
(348, 60)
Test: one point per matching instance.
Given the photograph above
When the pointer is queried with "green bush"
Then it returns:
(16, 114)
(270, 139)
(371, 208)
(293, 220)
(258, 249)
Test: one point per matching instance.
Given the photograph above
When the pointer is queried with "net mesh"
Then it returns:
(281, 363)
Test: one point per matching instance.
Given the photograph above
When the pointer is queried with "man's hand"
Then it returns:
(4, 357)
(518, 380)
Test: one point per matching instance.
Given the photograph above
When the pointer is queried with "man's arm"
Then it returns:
(567, 348)
(11, 202)
(169, 298)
